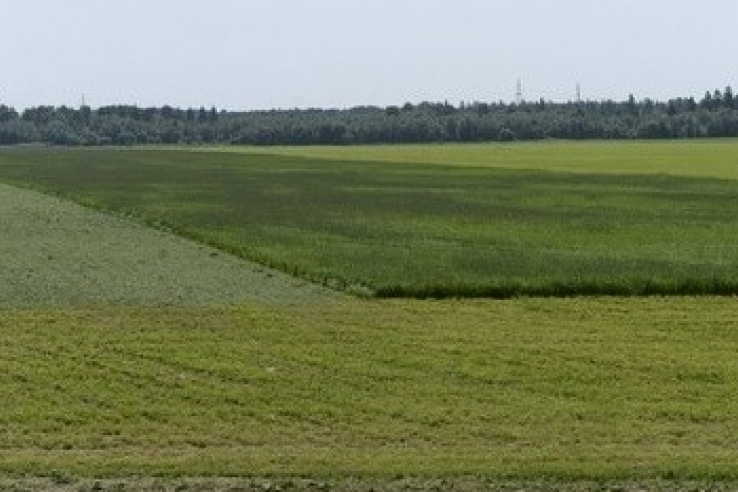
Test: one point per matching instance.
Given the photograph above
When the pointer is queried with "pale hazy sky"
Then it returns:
(248, 54)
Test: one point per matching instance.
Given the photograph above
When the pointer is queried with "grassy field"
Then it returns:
(479, 221)
(131, 359)
(57, 253)
(691, 158)
(521, 390)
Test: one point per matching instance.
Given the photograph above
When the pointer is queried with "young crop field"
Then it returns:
(532, 389)
(57, 253)
(480, 221)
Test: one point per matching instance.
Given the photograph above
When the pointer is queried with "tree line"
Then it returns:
(714, 115)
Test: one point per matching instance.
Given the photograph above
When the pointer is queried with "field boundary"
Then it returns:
(646, 288)
(104, 261)
(334, 284)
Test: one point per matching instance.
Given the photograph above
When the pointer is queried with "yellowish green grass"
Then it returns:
(689, 158)
(523, 389)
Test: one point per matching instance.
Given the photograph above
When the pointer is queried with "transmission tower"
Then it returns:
(519, 92)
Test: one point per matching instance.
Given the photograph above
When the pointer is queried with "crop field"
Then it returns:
(57, 253)
(484, 221)
(690, 158)
(599, 389)
(133, 358)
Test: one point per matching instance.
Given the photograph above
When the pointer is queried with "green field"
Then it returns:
(135, 359)
(57, 253)
(479, 221)
(690, 158)
(524, 389)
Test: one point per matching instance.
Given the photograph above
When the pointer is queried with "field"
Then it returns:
(523, 389)
(58, 253)
(483, 221)
(132, 358)
(687, 158)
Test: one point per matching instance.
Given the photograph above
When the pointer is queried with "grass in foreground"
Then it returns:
(526, 389)
(55, 252)
(62, 483)
(399, 229)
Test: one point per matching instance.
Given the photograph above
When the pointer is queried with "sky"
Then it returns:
(249, 54)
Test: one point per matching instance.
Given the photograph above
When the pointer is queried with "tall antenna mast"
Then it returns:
(579, 92)
(519, 92)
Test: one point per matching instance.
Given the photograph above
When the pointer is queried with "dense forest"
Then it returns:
(714, 115)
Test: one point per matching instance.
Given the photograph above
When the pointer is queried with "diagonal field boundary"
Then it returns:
(54, 252)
